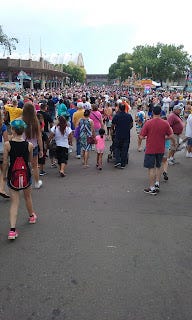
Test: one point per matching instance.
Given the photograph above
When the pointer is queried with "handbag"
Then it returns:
(77, 132)
(90, 140)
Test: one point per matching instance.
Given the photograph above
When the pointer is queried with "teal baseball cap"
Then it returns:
(18, 123)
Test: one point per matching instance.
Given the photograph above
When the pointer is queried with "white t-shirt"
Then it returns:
(87, 105)
(166, 102)
(61, 140)
(188, 130)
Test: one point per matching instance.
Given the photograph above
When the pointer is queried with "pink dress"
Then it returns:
(100, 145)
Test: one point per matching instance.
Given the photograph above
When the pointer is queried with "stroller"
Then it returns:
(111, 155)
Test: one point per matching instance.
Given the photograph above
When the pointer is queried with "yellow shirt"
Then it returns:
(77, 116)
(14, 112)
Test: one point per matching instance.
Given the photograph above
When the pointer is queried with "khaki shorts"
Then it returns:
(172, 147)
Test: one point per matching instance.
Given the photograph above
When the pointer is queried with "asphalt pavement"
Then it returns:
(102, 249)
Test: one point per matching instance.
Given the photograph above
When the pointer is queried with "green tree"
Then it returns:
(76, 73)
(8, 44)
(122, 69)
(160, 62)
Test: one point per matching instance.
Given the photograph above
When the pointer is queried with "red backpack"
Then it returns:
(19, 175)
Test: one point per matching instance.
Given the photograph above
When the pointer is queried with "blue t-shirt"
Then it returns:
(2, 129)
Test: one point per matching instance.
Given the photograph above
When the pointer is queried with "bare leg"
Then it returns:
(62, 167)
(100, 160)
(97, 164)
(2, 182)
(28, 200)
(86, 157)
(157, 174)
(35, 169)
(151, 173)
(14, 208)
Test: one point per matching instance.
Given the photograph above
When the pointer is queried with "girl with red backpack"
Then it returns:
(17, 156)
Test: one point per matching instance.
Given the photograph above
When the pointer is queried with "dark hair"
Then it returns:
(86, 113)
(101, 132)
(19, 131)
(121, 107)
(62, 124)
(157, 109)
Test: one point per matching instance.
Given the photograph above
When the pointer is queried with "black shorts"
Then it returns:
(153, 160)
(62, 154)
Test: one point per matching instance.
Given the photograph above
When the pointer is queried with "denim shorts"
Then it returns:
(153, 160)
(35, 151)
(189, 142)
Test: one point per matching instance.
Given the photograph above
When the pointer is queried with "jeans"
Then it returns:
(78, 147)
(121, 151)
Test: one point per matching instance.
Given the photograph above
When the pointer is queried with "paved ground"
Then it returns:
(102, 249)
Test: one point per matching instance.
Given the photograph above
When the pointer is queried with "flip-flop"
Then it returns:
(62, 174)
(4, 195)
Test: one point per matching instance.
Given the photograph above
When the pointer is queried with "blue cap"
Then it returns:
(18, 123)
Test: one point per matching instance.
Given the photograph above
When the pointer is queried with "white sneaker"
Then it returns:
(78, 156)
(38, 184)
(189, 154)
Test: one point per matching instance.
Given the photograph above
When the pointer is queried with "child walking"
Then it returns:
(17, 155)
(100, 147)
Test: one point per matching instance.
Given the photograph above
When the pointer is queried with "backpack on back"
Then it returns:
(19, 175)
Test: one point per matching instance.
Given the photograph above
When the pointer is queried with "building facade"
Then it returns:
(37, 74)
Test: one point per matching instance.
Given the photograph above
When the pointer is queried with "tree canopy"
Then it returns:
(76, 73)
(160, 62)
(8, 44)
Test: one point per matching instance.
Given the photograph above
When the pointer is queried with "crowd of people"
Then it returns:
(41, 126)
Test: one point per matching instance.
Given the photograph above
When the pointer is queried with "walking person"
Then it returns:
(63, 138)
(3, 139)
(79, 114)
(100, 147)
(87, 133)
(32, 133)
(177, 124)
(122, 123)
(155, 131)
(16, 151)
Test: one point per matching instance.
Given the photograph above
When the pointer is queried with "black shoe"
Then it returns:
(149, 191)
(165, 176)
(157, 188)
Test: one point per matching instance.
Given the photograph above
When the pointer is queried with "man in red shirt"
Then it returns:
(156, 130)
(177, 125)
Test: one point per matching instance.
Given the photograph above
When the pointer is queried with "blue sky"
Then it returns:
(100, 30)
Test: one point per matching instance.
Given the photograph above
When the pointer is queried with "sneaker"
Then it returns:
(165, 176)
(122, 167)
(53, 165)
(171, 162)
(100, 168)
(38, 184)
(33, 219)
(42, 173)
(117, 164)
(78, 156)
(12, 235)
(149, 191)
(157, 188)
(189, 154)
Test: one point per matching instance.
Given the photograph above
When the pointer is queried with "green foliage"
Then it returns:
(8, 44)
(76, 73)
(160, 62)
(122, 68)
